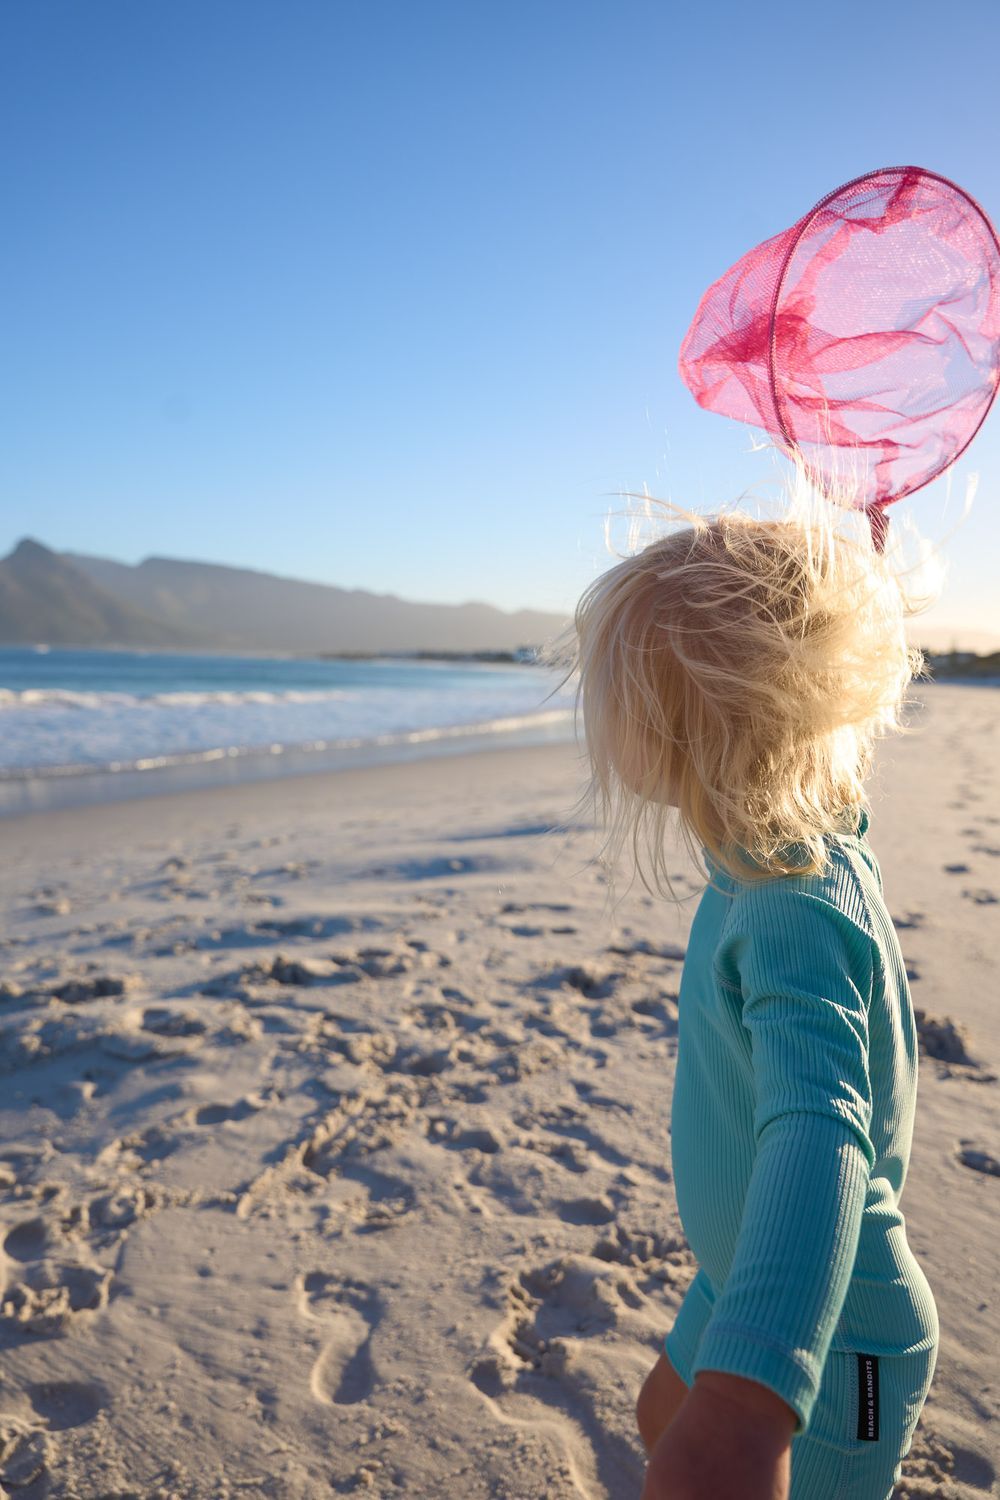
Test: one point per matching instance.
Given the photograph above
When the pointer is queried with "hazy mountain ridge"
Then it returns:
(74, 599)
(44, 597)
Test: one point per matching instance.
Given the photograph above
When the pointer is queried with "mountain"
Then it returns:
(71, 598)
(43, 597)
(242, 609)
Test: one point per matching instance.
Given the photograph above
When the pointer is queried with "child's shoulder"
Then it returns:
(801, 930)
(797, 905)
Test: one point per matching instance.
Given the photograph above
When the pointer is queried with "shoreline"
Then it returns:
(26, 796)
(396, 785)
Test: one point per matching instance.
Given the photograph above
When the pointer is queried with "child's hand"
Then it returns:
(730, 1440)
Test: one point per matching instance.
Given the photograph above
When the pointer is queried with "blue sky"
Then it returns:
(389, 295)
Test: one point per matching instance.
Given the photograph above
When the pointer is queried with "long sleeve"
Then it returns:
(802, 970)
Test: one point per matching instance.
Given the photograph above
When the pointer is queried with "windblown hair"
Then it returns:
(741, 669)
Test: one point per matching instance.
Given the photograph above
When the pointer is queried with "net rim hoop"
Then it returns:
(798, 230)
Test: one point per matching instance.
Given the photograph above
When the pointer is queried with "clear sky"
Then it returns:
(389, 293)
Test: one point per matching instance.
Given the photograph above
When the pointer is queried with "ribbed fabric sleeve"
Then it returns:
(801, 969)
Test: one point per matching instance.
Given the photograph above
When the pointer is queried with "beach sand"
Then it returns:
(334, 1150)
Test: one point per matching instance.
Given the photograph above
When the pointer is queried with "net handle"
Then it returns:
(879, 523)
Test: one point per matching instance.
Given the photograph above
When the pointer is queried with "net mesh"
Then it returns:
(867, 336)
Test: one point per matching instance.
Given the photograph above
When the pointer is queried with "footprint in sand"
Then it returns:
(588, 1210)
(652, 1256)
(909, 919)
(444, 1131)
(586, 980)
(218, 1114)
(24, 1451)
(977, 1160)
(661, 1009)
(517, 906)
(165, 1021)
(48, 1290)
(27, 1241)
(937, 1466)
(63, 1404)
(52, 1292)
(140, 1151)
(389, 1198)
(78, 990)
(981, 897)
(577, 1142)
(337, 1153)
(548, 1366)
(344, 1373)
(943, 1039)
(976, 1470)
(643, 948)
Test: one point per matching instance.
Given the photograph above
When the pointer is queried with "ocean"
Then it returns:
(87, 725)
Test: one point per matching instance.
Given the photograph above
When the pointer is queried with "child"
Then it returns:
(740, 670)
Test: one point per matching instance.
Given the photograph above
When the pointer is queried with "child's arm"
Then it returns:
(805, 972)
(724, 1444)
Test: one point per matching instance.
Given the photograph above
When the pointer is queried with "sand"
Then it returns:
(334, 1151)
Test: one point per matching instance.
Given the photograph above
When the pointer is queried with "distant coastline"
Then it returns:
(963, 666)
(943, 666)
(523, 656)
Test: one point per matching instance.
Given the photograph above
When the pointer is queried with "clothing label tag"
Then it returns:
(868, 1397)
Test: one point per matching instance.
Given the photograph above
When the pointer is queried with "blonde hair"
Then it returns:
(742, 668)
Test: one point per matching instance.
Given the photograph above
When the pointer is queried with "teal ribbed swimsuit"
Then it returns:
(791, 1125)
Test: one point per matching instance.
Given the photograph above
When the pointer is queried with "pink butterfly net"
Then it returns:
(867, 336)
